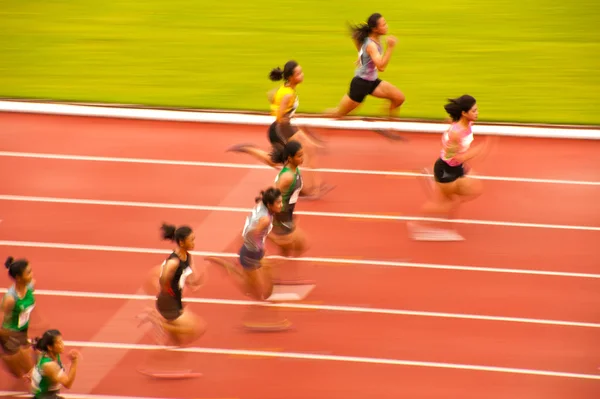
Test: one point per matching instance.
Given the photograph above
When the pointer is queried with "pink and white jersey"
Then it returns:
(449, 149)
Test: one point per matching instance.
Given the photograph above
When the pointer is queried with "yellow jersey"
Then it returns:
(292, 104)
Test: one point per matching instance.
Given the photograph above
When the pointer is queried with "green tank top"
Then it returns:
(290, 197)
(18, 319)
(40, 383)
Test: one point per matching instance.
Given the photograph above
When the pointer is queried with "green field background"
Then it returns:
(525, 61)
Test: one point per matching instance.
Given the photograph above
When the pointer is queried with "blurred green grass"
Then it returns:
(525, 61)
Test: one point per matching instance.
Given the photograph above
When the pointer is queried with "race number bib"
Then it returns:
(184, 275)
(295, 195)
(36, 378)
(24, 316)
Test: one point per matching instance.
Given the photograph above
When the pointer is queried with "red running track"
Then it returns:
(132, 232)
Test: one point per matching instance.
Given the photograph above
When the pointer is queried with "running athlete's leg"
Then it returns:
(346, 106)
(16, 355)
(469, 188)
(261, 155)
(388, 91)
(13, 364)
(186, 328)
(239, 278)
(182, 331)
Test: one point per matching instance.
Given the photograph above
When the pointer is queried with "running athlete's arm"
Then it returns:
(271, 95)
(285, 181)
(57, 375)
(168, 271)
(8, 303)
(282, 107)
(261, 226)
(197, 277)
(379, 61)
(472, 152)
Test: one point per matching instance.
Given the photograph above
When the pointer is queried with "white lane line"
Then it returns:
(20, 394)
(253, 166)
(80, 201)
(345, 261)
(331, 308)
(333, 358)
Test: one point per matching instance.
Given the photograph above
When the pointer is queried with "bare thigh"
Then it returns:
(469, 188)
(293, 243)
(193, 325)
(388, 91)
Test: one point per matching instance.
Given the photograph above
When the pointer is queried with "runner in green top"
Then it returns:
(17, 305)
(49, 373)
(286, 234)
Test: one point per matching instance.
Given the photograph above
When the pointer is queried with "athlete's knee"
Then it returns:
(397, 97)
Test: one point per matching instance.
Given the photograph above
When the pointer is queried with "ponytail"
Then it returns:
(48, 339)
(285, 74)
(362, 31)
(268, 196)
(281, 153)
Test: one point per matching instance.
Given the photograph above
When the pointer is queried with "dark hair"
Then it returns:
(175, 234)
(288, 70)
(362, 31)
(15, 267)
(268, 196)
(48, 339)
(456, 106)
(281, 153)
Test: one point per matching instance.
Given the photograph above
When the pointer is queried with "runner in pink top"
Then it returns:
(452, 184)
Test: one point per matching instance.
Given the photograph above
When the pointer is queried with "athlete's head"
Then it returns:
(50, 342)
(292, 73)
(375, 24)
(291, 153)
(462, 107)
(19, 270)
(183, 236)
(271, 198)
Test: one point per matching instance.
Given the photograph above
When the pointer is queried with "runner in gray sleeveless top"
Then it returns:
(253, 279)
(366, 69)
(371, 61)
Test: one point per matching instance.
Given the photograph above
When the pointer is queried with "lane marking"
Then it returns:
(135, 111)
(20, 394)
(333, 358)
(136, 204)
(365, 262)
(122, 325)
(66, 157)
(332, 308)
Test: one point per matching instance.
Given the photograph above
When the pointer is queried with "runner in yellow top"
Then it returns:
(284, 103)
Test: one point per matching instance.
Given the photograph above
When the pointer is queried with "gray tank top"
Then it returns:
(250, 240)
(366, 67)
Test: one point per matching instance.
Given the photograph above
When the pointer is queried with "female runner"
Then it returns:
(286, 234)
(367, 39)
(17, 305)
(49, 373)
(284, 103)
(179, 324)
(255, 280)
(453, 185)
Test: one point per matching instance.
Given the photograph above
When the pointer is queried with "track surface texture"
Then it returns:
(511, 312)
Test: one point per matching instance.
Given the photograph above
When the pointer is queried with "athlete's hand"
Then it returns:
(74, 354)
(391, 41)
